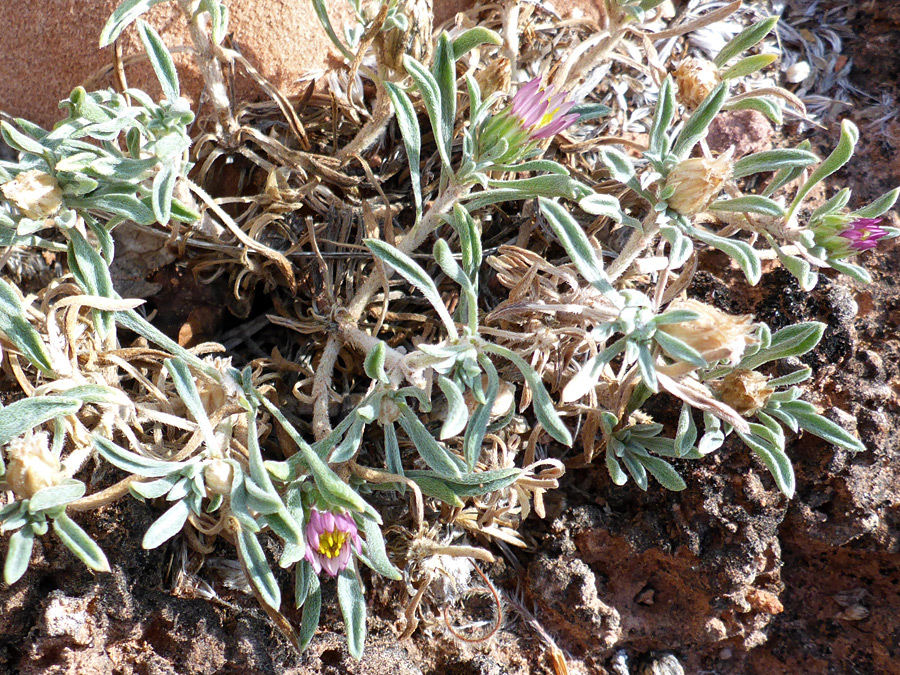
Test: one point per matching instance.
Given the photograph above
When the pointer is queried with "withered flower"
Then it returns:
(35, 193)
(697, 182)
(717, 335)
(31, 467)
(696, 78)
(744, 390)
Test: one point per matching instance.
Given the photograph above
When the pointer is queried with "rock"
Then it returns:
(747, 130)
(664, 664)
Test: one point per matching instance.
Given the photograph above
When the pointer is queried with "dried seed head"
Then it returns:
(695, 78)
(218, 475)
(717, 335)
(31, 467)
(35, 193)
(414, 40)
(214, 395)
(495, 77)
(389, 412)
(744, 390)
(697, 182)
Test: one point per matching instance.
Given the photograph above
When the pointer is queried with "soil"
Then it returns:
(726, 577)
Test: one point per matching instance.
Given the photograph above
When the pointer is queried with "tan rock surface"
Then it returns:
(48, 48)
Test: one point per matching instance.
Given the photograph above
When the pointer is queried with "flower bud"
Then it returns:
(218, 476)
(697, 182)
(744, 390)
(35, 193)
(32, 467)
(717, 335)
(696, 78)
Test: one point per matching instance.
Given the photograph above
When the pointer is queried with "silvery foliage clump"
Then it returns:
(122, 157)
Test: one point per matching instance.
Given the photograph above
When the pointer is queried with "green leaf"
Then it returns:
(474, 37)
(374, 363)
(161, 194)
(257, 568)
(132, 462)
(679, 350)
(879, 207)
(56, 495)
(431, 96)
(92, 274)
(741, 252)
(745, 39)
(22, 142)
(840, 156)
(793, 340)
(78, 541)
(759, 104)
(646, 366)
(748, 65)
(467, 485)
(375, 552)
(412, 138)
(776, 461)
(773, 160)
(167, 525)
(218, 13)
(451, 268)
(785, 176)
(457, 412)
(353, 607)
(543, 406)
(662, 118)
(686, 434)
(18, 555)
(154, 488)
(187, 390)
(311, 610)
(26, 414)
(602, 205)
(590, 111)
(329, 483)
(856, 272)
(124, 15)
(15, 326)
(434, 455)
(636, 469)
(481, 417)
(615, 470)
(161, 61)
(577, 245)
(410, 270)
(543, 165)
(698, 123)
(123, 205)
(444, 71)
(303, 574)
(749, 204)
(393, 460)
(822, 427)
(619, 165)
(664, 473)
(546, 185)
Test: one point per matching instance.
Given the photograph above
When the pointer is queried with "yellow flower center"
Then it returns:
(331, 543)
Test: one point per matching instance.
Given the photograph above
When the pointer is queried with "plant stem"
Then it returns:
(637, 244)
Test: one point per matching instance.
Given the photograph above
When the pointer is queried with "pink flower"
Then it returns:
(535, 113)
(330, 536)
(540, 111)
(864, 234)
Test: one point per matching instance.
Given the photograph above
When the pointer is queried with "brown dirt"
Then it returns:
(727, 576)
